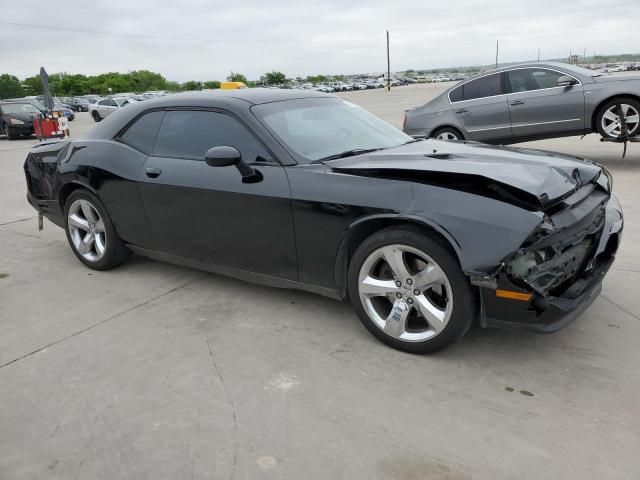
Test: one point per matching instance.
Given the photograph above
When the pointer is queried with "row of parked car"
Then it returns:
(363, 84)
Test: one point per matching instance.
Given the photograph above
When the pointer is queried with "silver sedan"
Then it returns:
(530, 102)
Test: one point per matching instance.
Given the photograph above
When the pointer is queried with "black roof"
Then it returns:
(227, 99)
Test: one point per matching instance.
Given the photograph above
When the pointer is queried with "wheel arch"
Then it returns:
(68, 188)
(363, 228)
(448, 125)
(596, 110)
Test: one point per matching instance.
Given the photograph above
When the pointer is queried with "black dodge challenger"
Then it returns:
(304, 190)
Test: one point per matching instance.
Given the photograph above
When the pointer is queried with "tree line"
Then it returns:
(69, 85)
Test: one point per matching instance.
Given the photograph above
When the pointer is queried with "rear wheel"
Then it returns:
(90, 232)
(96, 116)
(608, 120)
(409, 291)
(447, 133)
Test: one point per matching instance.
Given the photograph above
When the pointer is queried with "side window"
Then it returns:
(142, 134)
(189, 134)
(103, 102)
(532, 79)
(457, 94)
(484, 87)
(111, 103)
(546, 78)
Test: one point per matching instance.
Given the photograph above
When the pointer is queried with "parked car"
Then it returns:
(65, 110)
(303, 190)
(78, 104)
(16, 118)
(530, 102)
(105, 107)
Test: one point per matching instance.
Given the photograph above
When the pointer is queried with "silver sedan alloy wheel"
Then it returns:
(611, 120)
(86, 229)
(405, 293)
(446, 136)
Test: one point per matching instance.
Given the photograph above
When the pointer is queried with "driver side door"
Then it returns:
(209, 214)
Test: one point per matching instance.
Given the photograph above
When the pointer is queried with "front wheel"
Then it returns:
(409, 290)
(96, 116)
(90, 232)
(10, 133)
(608, 121)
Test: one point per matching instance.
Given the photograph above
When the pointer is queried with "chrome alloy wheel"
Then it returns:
(611, 120)
(86, 230)
(405, 293)
(446, 136)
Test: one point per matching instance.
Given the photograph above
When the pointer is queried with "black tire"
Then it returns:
(464, 307)
(115, 252)
(450, 131)
(96, 116)
(611, 103)
(11, 133)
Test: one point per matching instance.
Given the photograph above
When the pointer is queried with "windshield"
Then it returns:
(581, 70)
(315, 128)
(19, 108)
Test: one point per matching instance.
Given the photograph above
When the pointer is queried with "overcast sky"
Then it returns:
(203, 40)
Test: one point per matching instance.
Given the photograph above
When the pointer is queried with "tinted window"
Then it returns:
(532, 79)
(483, 87)
(457, 94)
(189, 134)
(19, 108)
(142, 134)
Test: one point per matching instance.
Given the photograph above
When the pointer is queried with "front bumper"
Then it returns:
(548, 313)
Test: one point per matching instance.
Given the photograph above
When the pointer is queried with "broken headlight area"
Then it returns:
(555, 257)
(550, 271)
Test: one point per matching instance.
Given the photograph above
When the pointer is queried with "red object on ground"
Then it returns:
(45, 128)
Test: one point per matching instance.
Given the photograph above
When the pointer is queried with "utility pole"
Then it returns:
(497, 49)
(388, 65)
(538, 55)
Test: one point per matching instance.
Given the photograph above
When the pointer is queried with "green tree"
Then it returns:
(10, 86)
(211, 84)
(275, 78)
(192, 85)
(33, 85)
(237, 77)
(317, 79)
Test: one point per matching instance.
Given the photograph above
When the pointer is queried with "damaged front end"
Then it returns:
(557, 273)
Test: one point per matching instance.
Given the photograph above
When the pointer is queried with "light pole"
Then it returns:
(388, 65)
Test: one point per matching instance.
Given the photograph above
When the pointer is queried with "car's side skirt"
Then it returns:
(244, 275)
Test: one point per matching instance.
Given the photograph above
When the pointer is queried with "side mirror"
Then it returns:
(225, 156)
(566, 81)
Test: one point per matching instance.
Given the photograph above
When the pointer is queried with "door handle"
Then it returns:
(462, 110)
(152, 172)
(517, 102)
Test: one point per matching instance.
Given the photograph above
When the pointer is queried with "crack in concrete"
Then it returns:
(97, 324)
(16, 221)
(236, 446)
(620, 307)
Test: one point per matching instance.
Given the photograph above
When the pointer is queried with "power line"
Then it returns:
(151, 37)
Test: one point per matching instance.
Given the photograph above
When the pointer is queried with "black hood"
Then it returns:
(547, 177)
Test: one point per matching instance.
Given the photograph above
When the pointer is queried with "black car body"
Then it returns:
(78, 104)
(16, 118)
(542, 227)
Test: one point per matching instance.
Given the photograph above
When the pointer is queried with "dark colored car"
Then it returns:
(530, 102)
(16, 118)
(78, 104)
(302, 190)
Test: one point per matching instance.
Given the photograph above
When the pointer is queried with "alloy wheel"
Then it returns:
(86, 229)
(447, 136)
(405, 293)
(611, 120)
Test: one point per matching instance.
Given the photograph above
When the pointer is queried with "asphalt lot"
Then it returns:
(152, 371)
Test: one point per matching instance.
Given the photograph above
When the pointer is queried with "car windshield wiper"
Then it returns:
(413, 140)
(347, 153)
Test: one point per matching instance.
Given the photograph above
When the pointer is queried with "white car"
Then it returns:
(105, 107)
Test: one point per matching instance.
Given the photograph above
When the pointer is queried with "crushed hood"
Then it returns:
(547, 177)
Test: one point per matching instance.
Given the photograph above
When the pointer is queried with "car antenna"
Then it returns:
(624, 137)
